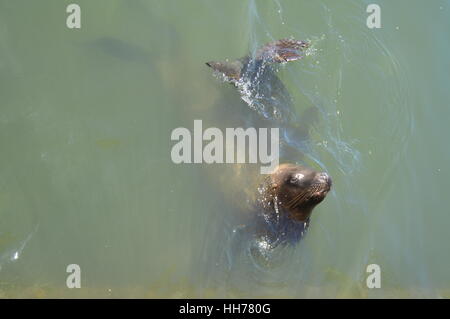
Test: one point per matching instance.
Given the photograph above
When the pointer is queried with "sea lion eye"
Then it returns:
(296, 178)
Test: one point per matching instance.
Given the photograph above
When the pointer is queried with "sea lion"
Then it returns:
(283, 202)
(286, 200)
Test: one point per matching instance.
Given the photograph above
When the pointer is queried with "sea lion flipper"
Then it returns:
(284, 50)
(230, 69)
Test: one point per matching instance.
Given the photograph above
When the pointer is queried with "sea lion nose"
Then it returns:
(324, 178)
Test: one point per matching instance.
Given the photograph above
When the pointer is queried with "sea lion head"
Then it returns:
(297, 189)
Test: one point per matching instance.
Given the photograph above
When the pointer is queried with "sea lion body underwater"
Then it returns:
(284, 199)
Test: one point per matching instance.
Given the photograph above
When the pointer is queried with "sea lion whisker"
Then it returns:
(303, 196)
(297, 199)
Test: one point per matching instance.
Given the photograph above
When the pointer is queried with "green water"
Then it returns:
(85, 170)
